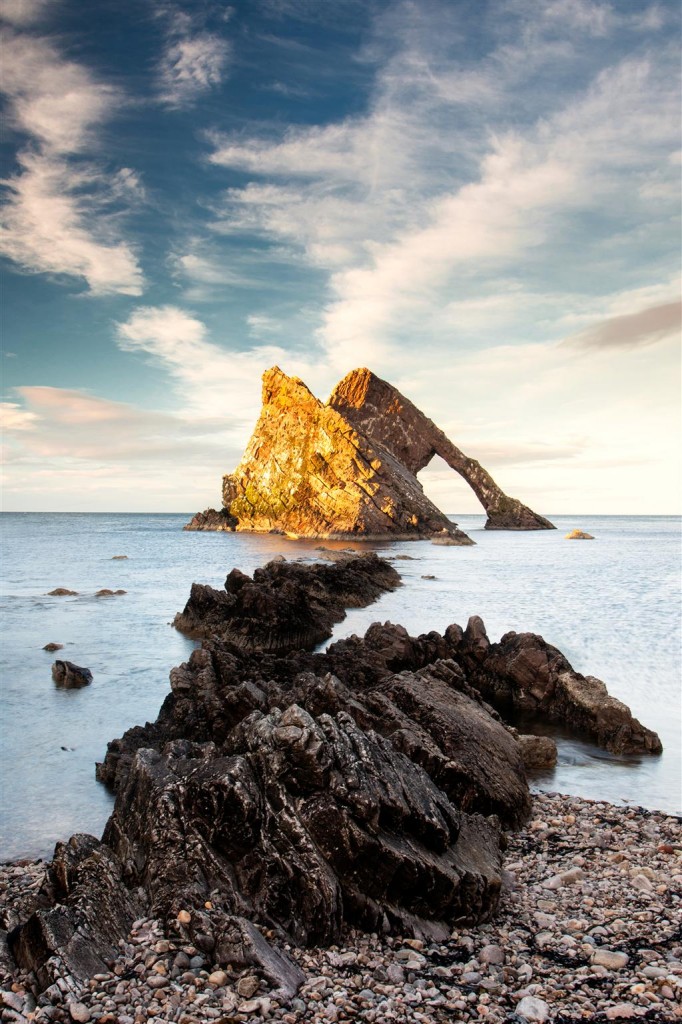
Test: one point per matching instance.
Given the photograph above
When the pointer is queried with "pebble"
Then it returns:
(532, 1009)
(550, 954)
(79, 1012)
(613, 961)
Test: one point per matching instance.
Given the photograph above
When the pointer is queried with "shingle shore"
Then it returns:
(589, 929)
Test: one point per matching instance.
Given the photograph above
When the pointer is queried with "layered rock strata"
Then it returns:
(302, 792)
(349, 468)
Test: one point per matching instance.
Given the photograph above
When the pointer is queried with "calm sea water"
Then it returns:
(612, 605)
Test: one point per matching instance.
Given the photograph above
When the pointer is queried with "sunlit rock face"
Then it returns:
(348, 468)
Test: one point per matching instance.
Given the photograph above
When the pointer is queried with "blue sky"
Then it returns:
(479, 199)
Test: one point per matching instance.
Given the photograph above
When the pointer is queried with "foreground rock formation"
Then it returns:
(301, 793)
(348, 468)
(587, 930)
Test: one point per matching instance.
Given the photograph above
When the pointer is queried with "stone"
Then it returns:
(491, 955)
(538, 751)
(248, 986)
(118, 558)
(109, 593)
(623, 1011)
(525, 674)
(578, 535)
(612, 961)
(79, 1012)
(62, 592)
(217, 978)
(69, 676)
(53, 647)
(533, 1009)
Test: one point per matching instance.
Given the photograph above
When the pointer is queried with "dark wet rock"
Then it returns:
(105, 592)
(53, 647)
(62, 592)
(303, 823)
(90, 911)
(70, 676)
(210, 519)
(524, 674)
(118, 558)
(287, 605)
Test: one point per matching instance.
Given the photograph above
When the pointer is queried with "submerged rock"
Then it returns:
(349, 468)
(578, 535)
(62, 592)
(70, 676)
(53, 646)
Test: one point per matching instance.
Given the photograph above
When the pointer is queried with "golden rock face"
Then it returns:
(348, 468)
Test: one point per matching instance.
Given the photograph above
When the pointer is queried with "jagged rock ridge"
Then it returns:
(348, 468)
(303, 792)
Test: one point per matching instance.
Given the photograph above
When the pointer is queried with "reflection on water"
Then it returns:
(612, 606)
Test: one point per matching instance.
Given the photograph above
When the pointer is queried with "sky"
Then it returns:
(478, 199)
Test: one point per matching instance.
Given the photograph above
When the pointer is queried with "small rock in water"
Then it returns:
(108, 593)
(70, 676)
(578, 535)
(53, 647)
(118, 558)
(62, 592)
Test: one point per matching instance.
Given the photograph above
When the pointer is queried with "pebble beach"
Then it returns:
(589, 928)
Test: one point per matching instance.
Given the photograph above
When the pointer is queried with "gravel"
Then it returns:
(603, 943)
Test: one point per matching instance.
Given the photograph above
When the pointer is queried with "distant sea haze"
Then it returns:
(612, 605)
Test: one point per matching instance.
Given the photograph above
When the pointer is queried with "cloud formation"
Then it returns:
(645, 327)
(194, 60)
(59, 216)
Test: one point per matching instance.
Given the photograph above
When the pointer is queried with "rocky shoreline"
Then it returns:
(588, 929)
(348, 833)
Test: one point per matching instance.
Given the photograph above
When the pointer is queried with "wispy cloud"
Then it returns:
(194, 60)
(60, 213)
(645, 327)
(460, 172)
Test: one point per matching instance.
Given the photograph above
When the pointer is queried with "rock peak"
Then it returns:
(349, 467)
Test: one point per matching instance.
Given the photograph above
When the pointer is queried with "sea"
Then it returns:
(612, 605)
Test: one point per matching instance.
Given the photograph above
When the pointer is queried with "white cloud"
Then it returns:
(645, 327)
(58, 217)
(50, 226)
(22, 12)
(192, 64)
(211, 380)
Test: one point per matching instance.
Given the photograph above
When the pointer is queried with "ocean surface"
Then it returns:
(612, 605)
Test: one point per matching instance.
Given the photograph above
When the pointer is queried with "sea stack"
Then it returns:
(348, 468)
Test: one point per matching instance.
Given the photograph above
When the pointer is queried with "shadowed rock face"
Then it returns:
(380, 412)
